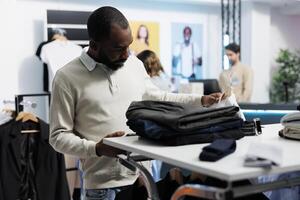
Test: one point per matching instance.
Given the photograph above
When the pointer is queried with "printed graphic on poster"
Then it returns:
(187, 44)
(145, 36)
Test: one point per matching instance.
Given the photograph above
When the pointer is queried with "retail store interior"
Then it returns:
(207, 90)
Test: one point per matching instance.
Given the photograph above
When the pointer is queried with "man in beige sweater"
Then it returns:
(90, 97)
(239, 78)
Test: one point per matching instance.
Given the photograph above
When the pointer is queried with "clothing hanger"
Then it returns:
(24, 116)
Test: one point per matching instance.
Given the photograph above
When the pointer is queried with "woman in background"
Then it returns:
(141, 42)
(155, 70)
(160, 79)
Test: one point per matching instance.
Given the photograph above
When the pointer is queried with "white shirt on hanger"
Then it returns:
(58, 53)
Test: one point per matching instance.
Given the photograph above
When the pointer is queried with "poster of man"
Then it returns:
(145, 36)
(187, 42)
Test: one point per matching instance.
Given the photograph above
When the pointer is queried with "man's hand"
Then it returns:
(105, 150)
(208, 100)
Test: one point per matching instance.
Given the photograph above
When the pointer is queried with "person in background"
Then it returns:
(90, 97)
(161, 80)
(186, 56)
(239, 78)
(141, 42)
(155, 70)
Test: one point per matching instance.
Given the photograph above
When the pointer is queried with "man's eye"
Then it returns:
(118, 50)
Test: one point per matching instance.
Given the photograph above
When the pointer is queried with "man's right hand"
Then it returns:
(105, 150)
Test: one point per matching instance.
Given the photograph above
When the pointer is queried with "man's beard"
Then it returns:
(231, 62)
(113, 65)
(116, 65)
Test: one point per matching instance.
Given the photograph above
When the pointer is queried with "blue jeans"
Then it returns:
(101, 194)
(156, 168)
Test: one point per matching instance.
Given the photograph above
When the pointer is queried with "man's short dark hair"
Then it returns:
(100, 21)
(187, 28)
(233, 47)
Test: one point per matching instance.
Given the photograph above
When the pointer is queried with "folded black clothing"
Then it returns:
(179, 116)
(234, 134)
(152, 130)
(217, 150)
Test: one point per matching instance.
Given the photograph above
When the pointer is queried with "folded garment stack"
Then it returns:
(173, 123)
(291, 123)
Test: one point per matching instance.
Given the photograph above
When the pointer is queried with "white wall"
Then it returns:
(24, 20)
(8, 71)
(256, 27)
(285, 31)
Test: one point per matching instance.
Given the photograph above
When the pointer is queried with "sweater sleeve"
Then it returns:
(62, 115)
(154, 93)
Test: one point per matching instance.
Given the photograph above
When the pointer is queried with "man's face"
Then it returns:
(232, 56)
(187, 35)
(114, 51)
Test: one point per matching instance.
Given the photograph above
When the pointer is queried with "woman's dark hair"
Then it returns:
(151, 62)
(138, 33)
(233, 47)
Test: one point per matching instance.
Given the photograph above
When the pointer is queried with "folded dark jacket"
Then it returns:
(201, 138)
(179, 116)
(152, 130)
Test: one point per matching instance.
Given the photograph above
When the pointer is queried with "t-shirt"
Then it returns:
(239, 80)
(58, 53)
(162, 81)
(188, 55)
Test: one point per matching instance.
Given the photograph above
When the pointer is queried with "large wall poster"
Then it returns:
(187, 48)
(145, 36)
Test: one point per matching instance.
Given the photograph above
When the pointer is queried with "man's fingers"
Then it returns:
(115, 134)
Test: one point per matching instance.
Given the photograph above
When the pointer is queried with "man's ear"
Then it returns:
(93, 45)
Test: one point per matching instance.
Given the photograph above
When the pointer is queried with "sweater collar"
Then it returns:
(90, 63)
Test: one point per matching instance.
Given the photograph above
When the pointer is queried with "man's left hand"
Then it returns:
(208, 100)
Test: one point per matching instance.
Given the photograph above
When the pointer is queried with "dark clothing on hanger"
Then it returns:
(45, 67)
(30, 167)
(179, 116)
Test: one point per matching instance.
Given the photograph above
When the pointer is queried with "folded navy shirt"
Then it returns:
(217, 150)
(180, 117)
(153, 130)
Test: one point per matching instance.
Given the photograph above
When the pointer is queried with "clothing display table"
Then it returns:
(229, 169)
